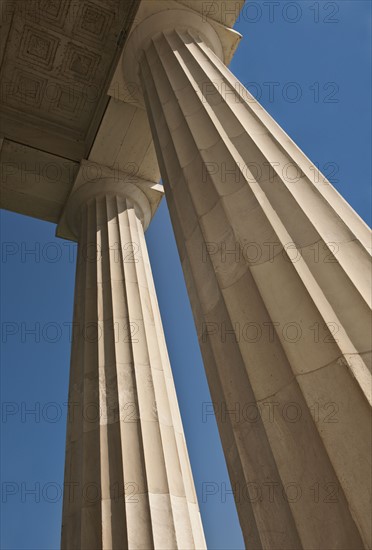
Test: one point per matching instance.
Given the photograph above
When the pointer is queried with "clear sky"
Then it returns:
(308, 63)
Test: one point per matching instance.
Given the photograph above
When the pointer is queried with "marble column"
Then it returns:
(277, 269)
(128, 482)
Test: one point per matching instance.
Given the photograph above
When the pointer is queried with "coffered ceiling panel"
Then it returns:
(56, 60)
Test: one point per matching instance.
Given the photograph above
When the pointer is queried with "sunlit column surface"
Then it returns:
(277, 269)
(128, 482)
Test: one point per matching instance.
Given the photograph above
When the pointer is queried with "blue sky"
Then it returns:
(314, 58)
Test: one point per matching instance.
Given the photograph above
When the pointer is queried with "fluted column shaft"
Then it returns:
(277, 269)
(128, 482)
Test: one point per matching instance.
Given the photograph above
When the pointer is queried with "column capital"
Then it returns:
(94, 180)
(154, 18)
(167, 21)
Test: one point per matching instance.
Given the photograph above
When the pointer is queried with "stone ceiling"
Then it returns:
(59, 61)
(56, 62)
